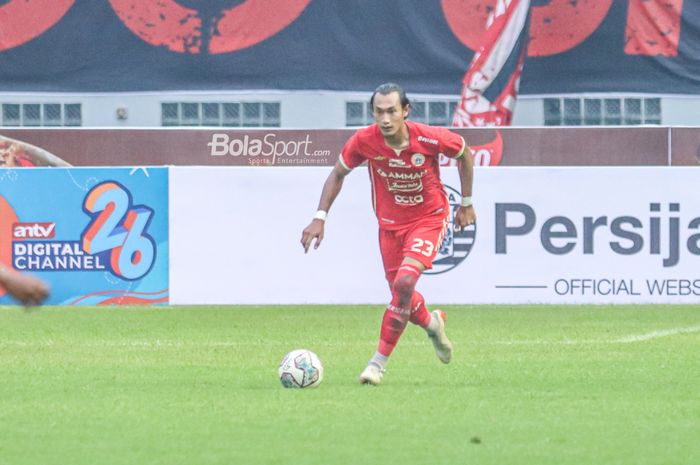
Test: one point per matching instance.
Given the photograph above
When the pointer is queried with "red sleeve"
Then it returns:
(451, 143)
(350, 156)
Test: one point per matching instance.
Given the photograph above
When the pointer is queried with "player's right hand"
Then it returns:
(313, 231)
(27, 289)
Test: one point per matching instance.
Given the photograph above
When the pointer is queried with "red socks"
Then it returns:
(419, 312)
(393, 325)
(406, 305)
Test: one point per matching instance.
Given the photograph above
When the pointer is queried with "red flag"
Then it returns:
(492, 80)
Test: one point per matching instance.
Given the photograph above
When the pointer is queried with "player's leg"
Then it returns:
(421, 316)
(422, 244)
(398, 312)
(419, 311)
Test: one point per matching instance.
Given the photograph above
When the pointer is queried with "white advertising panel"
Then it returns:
(543, 235)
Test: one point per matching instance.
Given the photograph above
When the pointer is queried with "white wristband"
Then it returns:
(466, 201)
(321, 215)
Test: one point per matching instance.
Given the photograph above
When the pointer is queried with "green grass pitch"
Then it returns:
(198, 385)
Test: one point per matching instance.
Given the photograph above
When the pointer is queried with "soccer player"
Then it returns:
(27, 289)
(412, 209)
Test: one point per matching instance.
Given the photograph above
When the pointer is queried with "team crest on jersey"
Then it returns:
(455, 246)
(379, 158)
(417, 159)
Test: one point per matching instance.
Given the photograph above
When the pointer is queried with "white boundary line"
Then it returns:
(159, 343)
(163, 344)
(656, 335)
(621, 340)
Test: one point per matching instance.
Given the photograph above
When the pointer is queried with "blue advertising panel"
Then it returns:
(353, 45)
(96, 236)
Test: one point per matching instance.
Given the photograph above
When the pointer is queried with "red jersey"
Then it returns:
(406, 185)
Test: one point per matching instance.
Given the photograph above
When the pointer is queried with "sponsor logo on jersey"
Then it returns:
(417, 159)
(403, 176)
(397, 163)
(405, 186)
(408, 199)
(427, 140)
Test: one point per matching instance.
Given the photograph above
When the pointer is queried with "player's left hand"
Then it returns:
(465, 217)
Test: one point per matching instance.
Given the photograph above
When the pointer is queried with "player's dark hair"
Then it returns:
(386, 89)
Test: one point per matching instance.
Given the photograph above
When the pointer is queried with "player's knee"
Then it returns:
(404, 284)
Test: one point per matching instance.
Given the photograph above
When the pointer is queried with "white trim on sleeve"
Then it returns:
(342, 162)
(462, 150)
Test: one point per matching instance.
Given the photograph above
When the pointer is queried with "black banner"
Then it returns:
(426, 45)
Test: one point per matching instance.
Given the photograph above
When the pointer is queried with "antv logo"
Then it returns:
(33, 230)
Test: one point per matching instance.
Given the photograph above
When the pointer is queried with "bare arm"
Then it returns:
(23, 287)
(331, 188)
(11, 149)
(465, 215)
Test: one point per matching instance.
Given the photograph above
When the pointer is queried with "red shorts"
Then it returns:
(420, 241)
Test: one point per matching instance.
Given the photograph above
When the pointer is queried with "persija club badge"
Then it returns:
(456, 245)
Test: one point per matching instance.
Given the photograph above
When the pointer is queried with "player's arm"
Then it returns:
(39, 156)
(465, 214)
(25, 288)
(331, 188)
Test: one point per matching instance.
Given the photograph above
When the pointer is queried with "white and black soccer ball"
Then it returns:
(300, 368)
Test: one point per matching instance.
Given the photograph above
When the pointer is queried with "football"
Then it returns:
(300, 368)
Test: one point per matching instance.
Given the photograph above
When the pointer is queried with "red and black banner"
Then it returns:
(142, 45)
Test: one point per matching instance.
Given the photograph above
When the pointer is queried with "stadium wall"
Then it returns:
(223, 224)
(542, 146)
(309, 109)
(544, 235)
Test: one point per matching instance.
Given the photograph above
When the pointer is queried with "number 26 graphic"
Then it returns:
(119, 227)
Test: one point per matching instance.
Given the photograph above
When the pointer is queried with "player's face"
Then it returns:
(388, 113)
